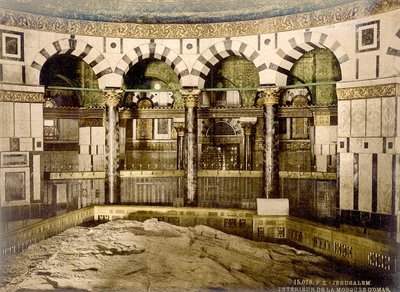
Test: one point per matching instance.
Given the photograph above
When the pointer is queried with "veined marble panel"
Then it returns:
(366, 145)
(384, 195)
(84, 136)
(321, 163)
(365, 185)
(85, 163)
(22, 123)
(346, 187)
(6, 119)
(322, 135)
(374, 117)
(37, 119)
(389, 117)
(36, 177)
(26, 144)
(344, 118)
(358, 118)
(4, 144)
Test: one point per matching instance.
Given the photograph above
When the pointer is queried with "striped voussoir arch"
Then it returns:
(93, 57)
(298, 46)
(220, 51)
(152, 51)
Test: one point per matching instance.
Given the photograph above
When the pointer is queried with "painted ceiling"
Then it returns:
(167, 11)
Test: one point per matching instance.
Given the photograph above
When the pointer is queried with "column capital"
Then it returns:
(180, 128)
(269, 95)
(112, 97)
(191, 97)
(247, 128)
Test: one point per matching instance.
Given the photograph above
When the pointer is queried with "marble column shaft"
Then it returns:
(191, 170)
(271, 145)
(112, 180)
(248, 161)
(180, 131)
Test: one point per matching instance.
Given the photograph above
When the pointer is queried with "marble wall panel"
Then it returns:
(346, 187)
(366, 145)
(343, 118)
(98, 136)
(322, 134)
(6, 119)
(321, 163)
(69, 129)
(84, 136)
(26, 144)
(37, 120)
(358, 117)
(384, 187)
(389, 117)
(342, 145)
(374, 118)
(22, 122)
(365, 183)
(4, 144)
(36, 177)
(85, 162)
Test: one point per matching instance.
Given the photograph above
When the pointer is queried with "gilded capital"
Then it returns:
(270, 95)
(180, 128)
(247, 128)
(112, 97)
(191, 97)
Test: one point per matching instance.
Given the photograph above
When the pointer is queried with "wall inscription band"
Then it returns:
(321, 17)
(21, 96)
(383, 90)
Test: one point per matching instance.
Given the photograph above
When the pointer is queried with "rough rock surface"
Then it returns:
(156, 256)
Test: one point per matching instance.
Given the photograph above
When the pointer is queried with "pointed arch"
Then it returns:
(298, 46)
(220, 51)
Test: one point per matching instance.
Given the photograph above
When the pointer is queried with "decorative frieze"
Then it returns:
(382, 90)
(21, 96)
(342, 13)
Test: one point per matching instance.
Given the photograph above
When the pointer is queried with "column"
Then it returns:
(191, 99)
(270, 97)
(247, 129)
(180, 132)
(112, 181)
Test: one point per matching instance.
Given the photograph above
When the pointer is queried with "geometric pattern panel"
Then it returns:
(11, 45)
(367, 36)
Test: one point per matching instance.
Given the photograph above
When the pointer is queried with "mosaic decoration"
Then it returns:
(56, 19)
(367, 36)
(11, 45)
(382, 90)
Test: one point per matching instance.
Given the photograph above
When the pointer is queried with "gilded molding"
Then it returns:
(382, 90)
(21, 96)
(321, 17)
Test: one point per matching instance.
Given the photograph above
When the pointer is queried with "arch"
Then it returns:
(298, 46)
(93, 57)
(153, 51)
(220, 128)
(220, 51)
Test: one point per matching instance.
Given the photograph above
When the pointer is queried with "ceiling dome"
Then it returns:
(167, 11)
